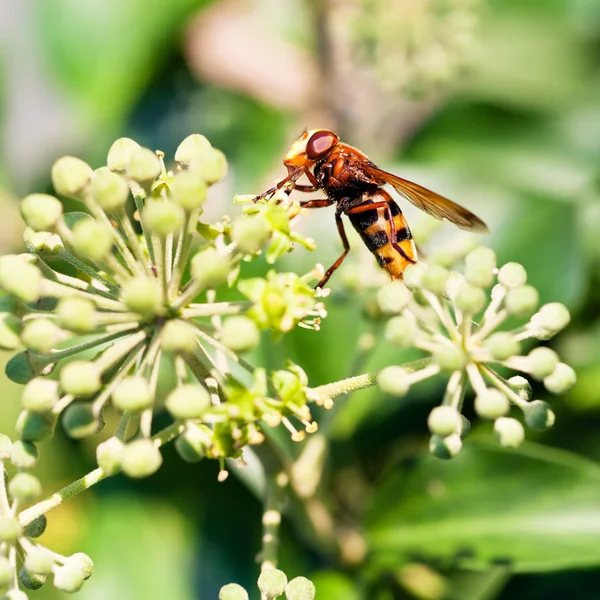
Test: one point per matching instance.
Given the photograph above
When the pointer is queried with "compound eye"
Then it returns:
(320, 143)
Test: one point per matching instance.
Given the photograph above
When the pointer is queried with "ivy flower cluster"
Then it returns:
(273, 583)
(458, 319)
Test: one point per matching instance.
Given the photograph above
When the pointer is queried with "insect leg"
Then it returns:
(292, 175)
(338, 262)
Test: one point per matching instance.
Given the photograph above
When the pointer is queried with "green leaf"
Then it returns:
(331, 584)
(533, 509)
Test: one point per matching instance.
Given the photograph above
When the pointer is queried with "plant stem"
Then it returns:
(275, 495)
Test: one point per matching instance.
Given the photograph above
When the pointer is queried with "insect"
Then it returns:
(355, 185)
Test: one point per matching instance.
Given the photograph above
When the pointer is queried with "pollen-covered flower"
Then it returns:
(457, 319)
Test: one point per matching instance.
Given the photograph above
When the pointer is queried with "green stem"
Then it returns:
(503, 386)
(112, 289)
(132, 239)
(4, 505)
(217, 308)
(275, 495)
(116, 352)
(139, 196)
(97, 341)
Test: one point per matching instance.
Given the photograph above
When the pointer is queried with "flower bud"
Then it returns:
(80, 378)
(24, 455)
(272, 582)
(15, 594)
(521, 301)
(163, 218)
(120, 153)
(300, 588)
(41, 211)
(68, 579)
(108, 455)
(143, 295)
(91, 240)
(240, 334)
(491, 404)
(520, 385)
(465, 427)
(561, 380)
(42, 242)
(192, 146)
(550, 319)
(10, 530)
(450, 358)
(445, 447)
(233, 591)
(133, 395)
(80, 420)
(178, 337)
(40, 394)
(502, 345)
(31, 581)
(38, 561)
(512, 275)
(509, 432)
(6, 572)
(42, 335)
(210, 268)
(70, 176)
(393, 298)
(188, 190)
(144, 166)
(444, 420)
(435, 279)
(401, 331)
(19, 277)
(5, 447)
(211, 166)
(250, 233)
(542, 362)
(192, 444)
(539, 415)
(394, 381)
(188, 401)
(413, 276)
(81, 562)
(36, 528)
(77, 314)
(479, 266)
(470, 299)
(10, 325)
(35, 427)
(109, 190)
(140, 458)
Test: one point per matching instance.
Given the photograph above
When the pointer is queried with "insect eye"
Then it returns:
(320, 143)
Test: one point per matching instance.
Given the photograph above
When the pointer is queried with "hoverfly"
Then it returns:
(355, 185)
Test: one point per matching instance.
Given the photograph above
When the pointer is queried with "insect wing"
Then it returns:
(433, 204)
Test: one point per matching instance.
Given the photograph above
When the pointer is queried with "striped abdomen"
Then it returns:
(375, 229)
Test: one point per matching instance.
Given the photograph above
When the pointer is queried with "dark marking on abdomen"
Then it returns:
(403, 234)
(375, 240)
(364, 219)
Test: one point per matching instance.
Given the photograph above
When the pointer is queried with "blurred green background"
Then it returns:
(496, 104)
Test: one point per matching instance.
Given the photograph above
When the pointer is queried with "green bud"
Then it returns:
(550, 319)
(450, 358)
(120, 153)
(445, 447)
(6, 572)
(435, 279)
(77, 314)
(520, 385)
(192, 146)
(233, 591)
(108, 455)
(143, 295)
(38, 561)
(191, 445)
(465, 427)
(35, 427)
(444, 420)
(413, 276)
(509, 432)
(163, 218)
(140, 458)
(512, 275)
(491, 404)
(144, 166)
(394, 381)
(42, 335)
(470, 299)
(68, 579)
(188, 190)
(91, 240)
(70, 176)
(41, 211)
(542, 362)
(10, 326)
(539, 415)
(80, 378)
(521, 301)
(80, 421)
(133, 395)
(178, 337)
(502, 345)
(393, 298)
(300, 588)
(479, 266)
(15, 594)
(5, 447)
(401, 331)
(210, 268)
(10, 530)
(240, 334)
(250, 233)
(36, 528)
(31, 581)
(82, 562)
(23, 455)
(561, 380)
(109, 190)
(272, 582)
(188, 401)
(211, 166)
(20, 278)
(40, 394)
